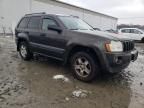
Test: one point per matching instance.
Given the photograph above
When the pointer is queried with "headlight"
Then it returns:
(114, 46)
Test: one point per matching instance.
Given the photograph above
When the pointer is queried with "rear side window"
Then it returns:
(47, 22)
(23, 23)
(34, 23)
(126, 31)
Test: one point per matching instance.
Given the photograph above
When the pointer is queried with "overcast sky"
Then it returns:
(128, 11)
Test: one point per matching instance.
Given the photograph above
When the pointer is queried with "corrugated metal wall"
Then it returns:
(12, 10)
(93, 18)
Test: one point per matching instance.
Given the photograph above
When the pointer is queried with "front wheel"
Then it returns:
(142, 40)
(24, 51)
(84, 66)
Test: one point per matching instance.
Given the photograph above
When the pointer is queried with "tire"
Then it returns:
(84, 66)
(24, 51)
(142, 40)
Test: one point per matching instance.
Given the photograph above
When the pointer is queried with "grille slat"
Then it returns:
(128, 46)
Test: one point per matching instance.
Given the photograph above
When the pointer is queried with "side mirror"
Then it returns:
(54, 28)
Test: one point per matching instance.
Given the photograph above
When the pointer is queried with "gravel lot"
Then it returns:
(34, 84)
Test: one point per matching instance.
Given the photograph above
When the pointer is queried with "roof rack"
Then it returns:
(36, 13)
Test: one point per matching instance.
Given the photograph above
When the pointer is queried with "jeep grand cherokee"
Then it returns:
(69, 39)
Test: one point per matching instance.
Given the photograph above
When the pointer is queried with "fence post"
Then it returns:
(4, 31)
(11, 32)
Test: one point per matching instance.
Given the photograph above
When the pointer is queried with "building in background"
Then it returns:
(12, 10)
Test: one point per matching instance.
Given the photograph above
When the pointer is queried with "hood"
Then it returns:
(111, 36)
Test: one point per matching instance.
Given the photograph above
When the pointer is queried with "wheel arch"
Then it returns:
(77, 48)
(21, 40)
(142, 40)
(21, 37)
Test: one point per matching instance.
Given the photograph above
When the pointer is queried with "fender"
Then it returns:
(71, 45)
(21, 37)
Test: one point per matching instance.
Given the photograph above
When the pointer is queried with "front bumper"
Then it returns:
(119, 61)
(134, 55)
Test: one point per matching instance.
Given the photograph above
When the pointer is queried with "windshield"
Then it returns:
(74, 23)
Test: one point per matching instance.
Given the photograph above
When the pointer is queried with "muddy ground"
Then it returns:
(31, 84)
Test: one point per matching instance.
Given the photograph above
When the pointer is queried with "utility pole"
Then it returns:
(30, 6)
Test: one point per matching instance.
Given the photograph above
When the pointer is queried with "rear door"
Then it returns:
(34, 33)
(126, 33)
(136, 34)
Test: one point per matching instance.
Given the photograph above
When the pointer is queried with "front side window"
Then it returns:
(23, 23)
(74, 23)
(34, 23)
(48, 22)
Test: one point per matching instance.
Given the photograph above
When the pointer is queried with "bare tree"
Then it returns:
(4, 30)
(11, 31)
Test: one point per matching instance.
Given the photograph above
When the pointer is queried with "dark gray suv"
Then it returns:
(71, 40)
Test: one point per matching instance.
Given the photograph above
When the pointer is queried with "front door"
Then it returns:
(53, 42)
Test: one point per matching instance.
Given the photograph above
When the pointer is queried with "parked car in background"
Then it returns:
(132, 33)
(112, 31)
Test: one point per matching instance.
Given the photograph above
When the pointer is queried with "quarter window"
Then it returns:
(136, 31)
(47, 22)
(34, 23)
(23, 23)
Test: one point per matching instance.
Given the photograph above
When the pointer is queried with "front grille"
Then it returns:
(128, 46)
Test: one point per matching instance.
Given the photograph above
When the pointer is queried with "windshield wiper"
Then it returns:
(79, 29)
(74, 29)
(83, 29)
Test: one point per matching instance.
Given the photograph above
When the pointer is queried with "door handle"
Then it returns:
(43, 34)
(26, 32)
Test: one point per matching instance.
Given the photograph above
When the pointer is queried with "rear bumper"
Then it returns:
(16, 42)
(116, 62)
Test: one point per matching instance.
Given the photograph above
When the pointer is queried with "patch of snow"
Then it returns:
(80, 93)
(61, 77)
(67, 99)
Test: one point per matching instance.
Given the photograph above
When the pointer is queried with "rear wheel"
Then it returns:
(84, 66)
(24, 51)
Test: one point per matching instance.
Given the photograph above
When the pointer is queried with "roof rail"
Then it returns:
(74, 16)
(36, 13)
